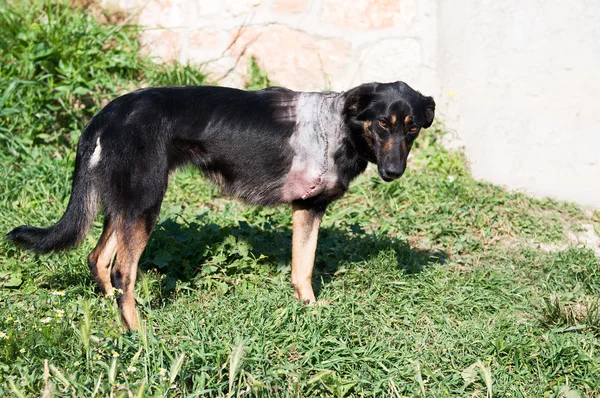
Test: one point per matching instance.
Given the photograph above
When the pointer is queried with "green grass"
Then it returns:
(432, 285)
(59, 65)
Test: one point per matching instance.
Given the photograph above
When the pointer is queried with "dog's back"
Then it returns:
(238, 138)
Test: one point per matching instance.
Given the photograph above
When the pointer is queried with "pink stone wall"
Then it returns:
(303, 45)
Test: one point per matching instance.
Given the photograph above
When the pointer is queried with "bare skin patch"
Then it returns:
(301, 184)
(315, 139)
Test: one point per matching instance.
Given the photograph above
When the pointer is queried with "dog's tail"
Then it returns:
(74, 224)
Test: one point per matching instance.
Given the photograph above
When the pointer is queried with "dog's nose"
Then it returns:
(393, 171)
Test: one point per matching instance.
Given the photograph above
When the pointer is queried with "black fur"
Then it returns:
(75, 222)
(240, 139)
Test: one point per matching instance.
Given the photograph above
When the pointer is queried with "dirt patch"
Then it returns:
(587, 236)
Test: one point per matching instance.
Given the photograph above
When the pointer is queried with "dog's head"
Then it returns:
(385, 119)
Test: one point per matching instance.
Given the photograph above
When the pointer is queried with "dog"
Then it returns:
(266, 147)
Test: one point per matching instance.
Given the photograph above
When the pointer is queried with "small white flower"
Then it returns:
(3, 336)
(46, 320)
(58, 293)
(451, 179)
(173, 386)
(162, 371)
(131, 369)
(115, 354)
(60, 313)
(22, 350)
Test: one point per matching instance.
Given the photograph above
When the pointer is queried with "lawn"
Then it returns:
(434, 285)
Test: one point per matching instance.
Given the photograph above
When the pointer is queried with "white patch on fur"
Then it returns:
(96, 155)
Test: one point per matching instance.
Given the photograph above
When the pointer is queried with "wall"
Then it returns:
(526, 80)
(516, 80)
(304, 45)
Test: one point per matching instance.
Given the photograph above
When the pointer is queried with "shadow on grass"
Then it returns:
(187, 252)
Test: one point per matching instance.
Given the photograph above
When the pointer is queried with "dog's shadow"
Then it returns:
(201, 251)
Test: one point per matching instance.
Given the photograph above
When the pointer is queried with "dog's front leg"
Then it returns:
(305, 231)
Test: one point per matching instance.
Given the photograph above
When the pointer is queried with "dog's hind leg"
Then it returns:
(305, 231)
(132, 236)
(101, 258)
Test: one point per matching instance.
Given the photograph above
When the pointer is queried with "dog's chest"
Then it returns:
(316, 138)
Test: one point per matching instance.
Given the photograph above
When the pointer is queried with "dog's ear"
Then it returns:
(358, 99)
(429, 105)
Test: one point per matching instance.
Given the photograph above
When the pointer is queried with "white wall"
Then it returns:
(518, 80)
(526, 80)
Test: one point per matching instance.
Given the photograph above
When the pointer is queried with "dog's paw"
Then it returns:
(308, 301)
(317, 303)
(304, 293)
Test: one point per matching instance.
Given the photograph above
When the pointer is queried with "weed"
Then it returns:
(257, 77)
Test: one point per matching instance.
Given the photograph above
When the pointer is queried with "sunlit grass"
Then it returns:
(432, 285)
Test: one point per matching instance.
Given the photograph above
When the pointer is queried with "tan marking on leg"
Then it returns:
(305, 232)
(105, 260)
(131, 241)
(101, 258)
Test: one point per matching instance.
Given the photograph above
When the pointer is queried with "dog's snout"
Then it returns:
(391, 171)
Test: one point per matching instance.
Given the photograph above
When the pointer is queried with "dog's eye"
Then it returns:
(383, 123)
(414, 129)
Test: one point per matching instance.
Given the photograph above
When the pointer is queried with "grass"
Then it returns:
(59, 65)
(433, 285)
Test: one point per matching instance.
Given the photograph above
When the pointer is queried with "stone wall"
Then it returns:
(517, 80)
(304, 45)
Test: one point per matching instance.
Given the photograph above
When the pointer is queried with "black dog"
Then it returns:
(266, 147)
